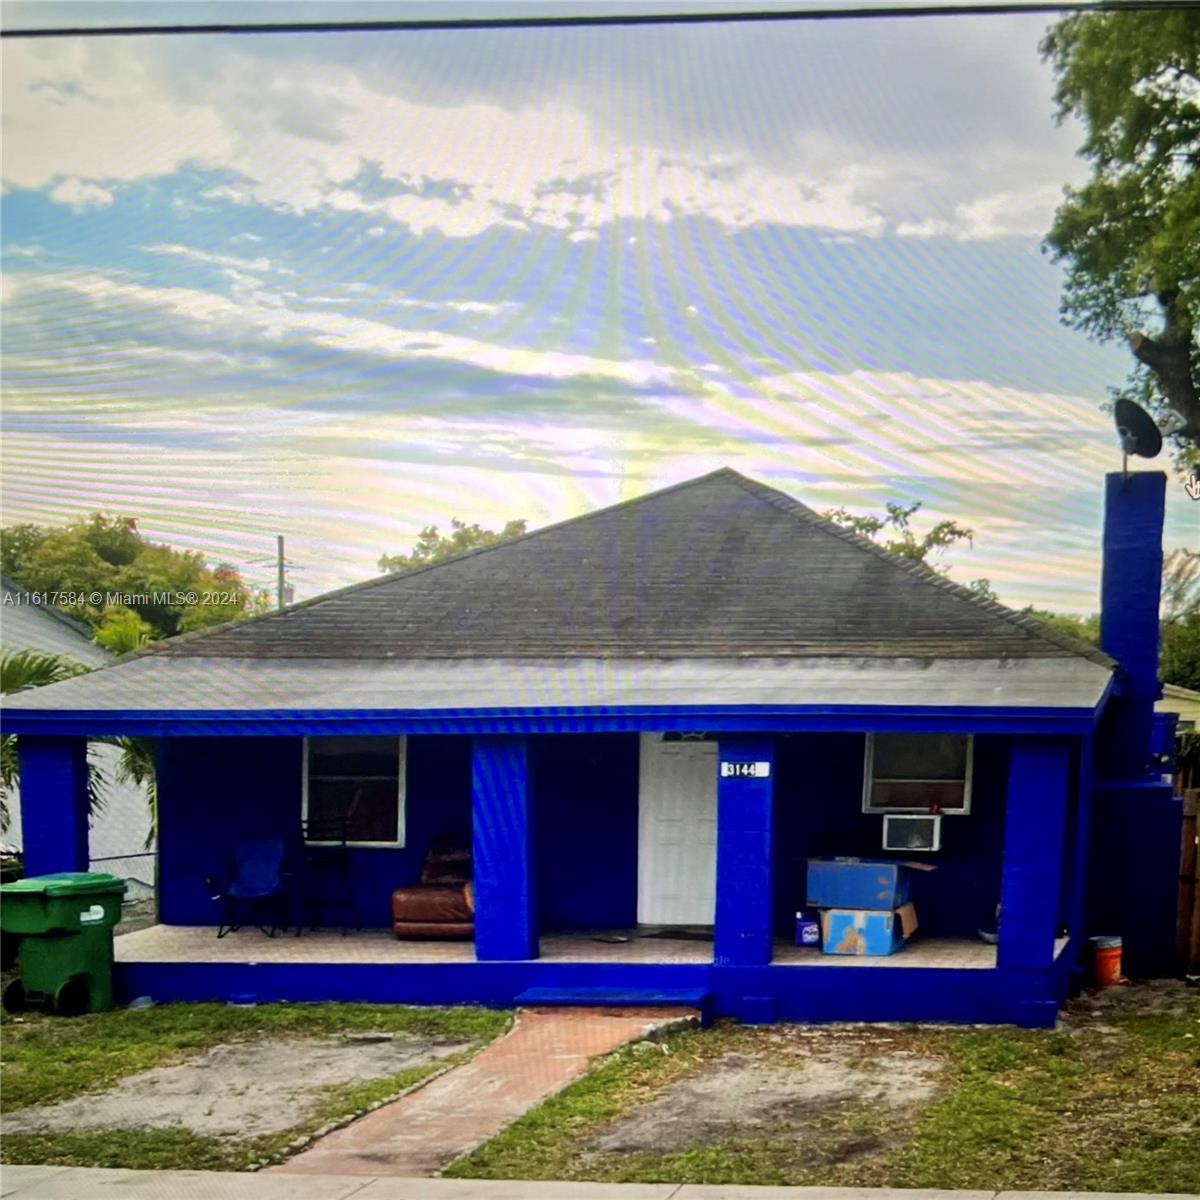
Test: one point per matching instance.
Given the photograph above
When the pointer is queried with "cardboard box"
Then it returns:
(866, 931)
(860, 883)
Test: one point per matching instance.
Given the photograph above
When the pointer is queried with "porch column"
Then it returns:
(745, 791)
(54, 803)
(1081, 833)
(506, 924)
(1034, 832)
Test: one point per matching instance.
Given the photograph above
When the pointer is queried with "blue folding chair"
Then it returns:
(257, 890)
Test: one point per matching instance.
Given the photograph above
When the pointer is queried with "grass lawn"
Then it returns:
(49, 1059)
(1108, 1102)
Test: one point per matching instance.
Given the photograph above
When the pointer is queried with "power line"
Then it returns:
(608, 20)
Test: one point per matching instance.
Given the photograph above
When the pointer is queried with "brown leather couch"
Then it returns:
(442, 905)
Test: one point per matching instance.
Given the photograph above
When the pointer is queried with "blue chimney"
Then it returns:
(1132, 876)
(1129, 598)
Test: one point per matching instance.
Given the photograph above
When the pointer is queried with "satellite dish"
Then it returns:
(1136, 428)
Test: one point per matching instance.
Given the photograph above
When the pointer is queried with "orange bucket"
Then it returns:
(1106, 960)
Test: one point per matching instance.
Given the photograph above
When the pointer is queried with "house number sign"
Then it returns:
(745, 770)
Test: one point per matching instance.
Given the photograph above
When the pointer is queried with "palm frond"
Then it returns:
(137, 766)
(23, 669)
(8, 777)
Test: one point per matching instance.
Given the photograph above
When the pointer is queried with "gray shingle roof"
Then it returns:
(243, 685)
(26, 624)
(720, 566)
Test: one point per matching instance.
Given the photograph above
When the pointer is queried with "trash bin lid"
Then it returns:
(67, 883)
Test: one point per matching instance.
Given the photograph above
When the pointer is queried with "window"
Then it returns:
(355, 784)
(918, 772)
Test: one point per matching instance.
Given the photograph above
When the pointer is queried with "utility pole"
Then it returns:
(280, 569)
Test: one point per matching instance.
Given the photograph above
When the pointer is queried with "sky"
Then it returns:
(343, 286)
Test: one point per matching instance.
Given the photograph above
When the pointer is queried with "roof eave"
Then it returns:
(485, 722)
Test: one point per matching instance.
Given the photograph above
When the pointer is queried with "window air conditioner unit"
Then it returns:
(909, 831)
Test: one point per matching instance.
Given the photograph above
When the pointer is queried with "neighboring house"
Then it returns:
(118, 834)
(648, 719)
(1182, 701)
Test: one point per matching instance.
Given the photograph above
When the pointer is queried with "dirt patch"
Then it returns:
(1145, 998)
(743, 1097)
(242, 1090)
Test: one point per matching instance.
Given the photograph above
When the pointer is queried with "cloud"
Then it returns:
(99, 113)
(477, 307)
(265, 316)
(116, 113)
(427, 143)
(80, 195)
(1015, 213)
(229, 262)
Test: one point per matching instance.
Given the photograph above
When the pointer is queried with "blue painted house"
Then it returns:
(648, 719)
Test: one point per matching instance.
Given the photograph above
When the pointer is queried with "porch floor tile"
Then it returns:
(956, 953)
(193, 944)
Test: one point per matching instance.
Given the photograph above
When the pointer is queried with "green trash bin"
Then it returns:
(64, 923)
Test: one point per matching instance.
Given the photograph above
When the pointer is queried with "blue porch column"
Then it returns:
(1035, 822)
(54, 803)
(506, 924)
(1082, 833)
(745, 793)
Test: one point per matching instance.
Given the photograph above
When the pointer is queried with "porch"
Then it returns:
(199, 944)
(954, 980)
(566, 865)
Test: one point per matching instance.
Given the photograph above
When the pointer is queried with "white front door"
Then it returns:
(677, 832)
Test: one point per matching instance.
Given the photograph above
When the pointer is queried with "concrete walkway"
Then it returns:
(422, 1132)
(77, 1183)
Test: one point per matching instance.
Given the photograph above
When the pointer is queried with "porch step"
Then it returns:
(614, 997)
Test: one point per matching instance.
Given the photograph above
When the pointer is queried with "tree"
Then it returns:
(1086, 629)
(897, 520)
(1179, 647)
(1179, 652)
(433, 546)
(1179, 631)
(138, 766)
(23, 669)
(121, 630)
(1180, 584)
(103, 568)
(1130, 236)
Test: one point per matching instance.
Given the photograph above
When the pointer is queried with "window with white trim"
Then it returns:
(918, 773)
(354, 785)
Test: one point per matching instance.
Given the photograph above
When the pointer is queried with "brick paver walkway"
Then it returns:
(420, 1133)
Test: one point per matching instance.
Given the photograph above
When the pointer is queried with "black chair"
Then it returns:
(256, 889)
(328, 878)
